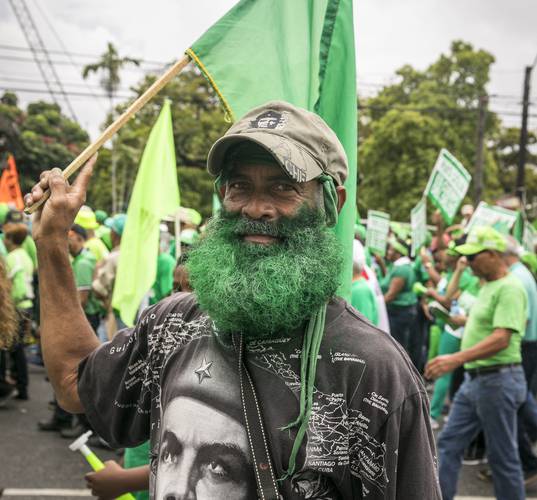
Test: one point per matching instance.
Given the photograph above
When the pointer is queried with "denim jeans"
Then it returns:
(490, 403)
(402, 323)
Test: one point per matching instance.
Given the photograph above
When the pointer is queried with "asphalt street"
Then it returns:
(39, 465)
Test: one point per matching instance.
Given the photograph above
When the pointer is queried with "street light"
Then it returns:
(520, 177)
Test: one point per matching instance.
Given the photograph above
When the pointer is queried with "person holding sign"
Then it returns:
(495, 387)
(401, 301)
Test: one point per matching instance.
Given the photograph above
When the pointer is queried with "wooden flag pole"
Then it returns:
(83, 157)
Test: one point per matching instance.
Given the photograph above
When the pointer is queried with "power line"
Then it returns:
(66, 52)
(68, 92)
(68, 84)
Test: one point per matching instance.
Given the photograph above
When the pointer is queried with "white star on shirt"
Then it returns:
(203, 371)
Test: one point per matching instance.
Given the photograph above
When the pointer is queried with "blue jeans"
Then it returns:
(489, 403)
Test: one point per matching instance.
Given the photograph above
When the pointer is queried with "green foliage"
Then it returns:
(40, 137)
(403, 128)
(198, 120)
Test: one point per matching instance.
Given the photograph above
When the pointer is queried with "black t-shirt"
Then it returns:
(175, 381)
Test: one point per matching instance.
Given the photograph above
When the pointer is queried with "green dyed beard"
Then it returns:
(264, 290)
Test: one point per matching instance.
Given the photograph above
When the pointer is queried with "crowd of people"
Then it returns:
(466, 304)
(464, 309)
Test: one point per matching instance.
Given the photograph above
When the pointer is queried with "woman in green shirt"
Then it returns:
(401, 301)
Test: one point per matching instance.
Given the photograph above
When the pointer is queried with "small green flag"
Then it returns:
(299, 51)
(155, 195)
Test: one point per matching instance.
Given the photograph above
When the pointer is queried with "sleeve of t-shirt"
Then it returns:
(511, 306)
(83, 275)
(411, 461)
(114, 387)
(401, 272)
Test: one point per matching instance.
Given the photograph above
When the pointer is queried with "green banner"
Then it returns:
(500, 218)
(378, 227)
(418, 224)
(448, 184)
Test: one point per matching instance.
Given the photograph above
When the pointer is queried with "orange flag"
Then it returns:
(10, 191)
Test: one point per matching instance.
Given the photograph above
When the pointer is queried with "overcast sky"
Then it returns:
(389, 33)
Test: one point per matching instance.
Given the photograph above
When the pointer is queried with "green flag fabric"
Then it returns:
(300, 51)
(155, 195)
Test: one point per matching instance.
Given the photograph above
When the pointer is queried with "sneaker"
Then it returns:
(53, 424)
(475, 456)
(434, 424)
(485, 475)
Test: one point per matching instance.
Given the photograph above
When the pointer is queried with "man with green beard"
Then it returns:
(345, 415)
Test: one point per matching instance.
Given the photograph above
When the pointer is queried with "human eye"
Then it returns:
(237, 185)
(284, 187)
(167, 457)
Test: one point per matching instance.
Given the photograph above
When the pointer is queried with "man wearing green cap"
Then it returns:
(344, 414)
(494, 387)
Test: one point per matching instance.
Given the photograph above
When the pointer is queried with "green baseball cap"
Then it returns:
(101, 216)
(480, 239)
(299, 140)
(116, 223)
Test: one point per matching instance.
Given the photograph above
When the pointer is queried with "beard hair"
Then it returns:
(264, 290)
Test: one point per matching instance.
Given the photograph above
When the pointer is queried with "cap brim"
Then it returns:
(294, 160)
(469, 249)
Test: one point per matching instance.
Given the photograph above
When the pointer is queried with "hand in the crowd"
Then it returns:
(425, 259)
(457, 320)
(440, 365)
(426, 312)
(107, 483)
(431, 292)
(436, 218)
(56, 216)
(462, 264)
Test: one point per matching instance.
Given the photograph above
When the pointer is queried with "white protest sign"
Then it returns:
(447, 185)
(529, 238)
(490, 215)
(378, 227)
(418, 224)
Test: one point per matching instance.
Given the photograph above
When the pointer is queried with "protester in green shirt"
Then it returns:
(495, 387)
(163, 285)
(83, 265)
(362, 297)
(400, 299)
(86, 219)
(20, 271)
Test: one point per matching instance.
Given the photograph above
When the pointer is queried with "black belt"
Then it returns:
(487, 370)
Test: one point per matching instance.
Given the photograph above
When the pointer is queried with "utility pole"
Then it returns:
(520, 177)
(479, 155)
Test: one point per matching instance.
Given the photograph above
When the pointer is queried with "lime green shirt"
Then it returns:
(29, 245)
(20, 270)
(500, 304)
(97, 248)
(401, 269)
(363, 300)
(83, 267)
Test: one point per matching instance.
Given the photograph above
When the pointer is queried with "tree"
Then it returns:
(198, 120)
(110, 65)
(40, 137)
(403, 128)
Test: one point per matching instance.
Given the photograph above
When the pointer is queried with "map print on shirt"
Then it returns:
(173, 367)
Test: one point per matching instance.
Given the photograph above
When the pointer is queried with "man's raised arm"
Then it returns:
(66, 336)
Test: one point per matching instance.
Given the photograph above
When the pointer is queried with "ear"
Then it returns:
(222, 191)
(341, 197)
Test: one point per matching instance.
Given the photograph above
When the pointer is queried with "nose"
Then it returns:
(259, 207)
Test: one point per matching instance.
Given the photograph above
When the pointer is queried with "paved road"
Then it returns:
(38, 465)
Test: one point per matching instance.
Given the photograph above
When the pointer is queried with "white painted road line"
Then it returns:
(44, 492)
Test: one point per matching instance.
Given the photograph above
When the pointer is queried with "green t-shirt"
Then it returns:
(363, 299)
(83, 268)
(20, 270)
(164, 281)
(401, 269)
(29, 245)
(500, 304)
(419, 270)
(137, 457)
(468, 282)
(97, 248)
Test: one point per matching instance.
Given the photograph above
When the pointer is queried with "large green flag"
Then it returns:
(300, 51)
(155, 195)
